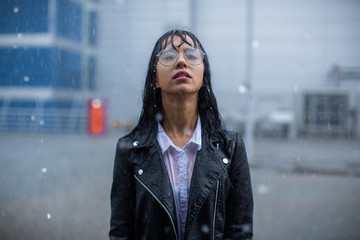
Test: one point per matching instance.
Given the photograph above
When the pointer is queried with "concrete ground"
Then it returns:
(57, 187)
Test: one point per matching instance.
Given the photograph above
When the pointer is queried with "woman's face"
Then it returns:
(181, 77)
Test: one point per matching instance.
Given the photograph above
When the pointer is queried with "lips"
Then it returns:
(181, 75)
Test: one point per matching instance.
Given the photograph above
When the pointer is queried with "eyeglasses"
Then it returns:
(193, 56)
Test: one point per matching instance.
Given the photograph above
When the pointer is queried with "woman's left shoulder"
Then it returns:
(234, 143)
(233, 137)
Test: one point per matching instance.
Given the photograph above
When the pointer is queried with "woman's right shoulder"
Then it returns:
(127, 141)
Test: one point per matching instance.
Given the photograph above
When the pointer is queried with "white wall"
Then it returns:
(298, 42)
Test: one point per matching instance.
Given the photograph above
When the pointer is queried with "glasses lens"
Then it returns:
(194, 56)
(168, 57)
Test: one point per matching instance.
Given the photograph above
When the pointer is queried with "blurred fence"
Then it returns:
(26, 117)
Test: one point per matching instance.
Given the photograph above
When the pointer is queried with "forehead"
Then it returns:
(176, 41)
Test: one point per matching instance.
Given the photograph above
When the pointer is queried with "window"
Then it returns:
(23, 16)
(69, 20)
(92, 28)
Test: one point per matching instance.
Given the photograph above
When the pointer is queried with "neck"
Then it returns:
(180, 117)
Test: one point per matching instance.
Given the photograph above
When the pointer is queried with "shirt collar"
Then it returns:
(165, 142)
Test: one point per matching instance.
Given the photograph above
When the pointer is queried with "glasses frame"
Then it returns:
(177, 56)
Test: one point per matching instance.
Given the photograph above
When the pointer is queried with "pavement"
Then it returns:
(312, 155)
(58, 186)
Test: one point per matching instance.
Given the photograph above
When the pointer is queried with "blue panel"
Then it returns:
(26, 67)
(69, 20)
(46, 67)
(23, 16)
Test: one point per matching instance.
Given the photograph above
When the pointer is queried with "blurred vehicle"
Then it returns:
(277, 123)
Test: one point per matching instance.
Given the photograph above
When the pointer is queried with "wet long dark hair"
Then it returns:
(152, 103)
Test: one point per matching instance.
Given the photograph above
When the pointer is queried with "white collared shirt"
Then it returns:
(179, 164)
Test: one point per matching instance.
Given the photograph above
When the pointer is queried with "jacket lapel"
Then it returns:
(208, 168)
(156, 179)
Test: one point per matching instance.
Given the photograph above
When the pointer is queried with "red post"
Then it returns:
(97, 120)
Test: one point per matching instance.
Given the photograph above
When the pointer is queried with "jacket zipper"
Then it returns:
(216, 198)
(172, 222)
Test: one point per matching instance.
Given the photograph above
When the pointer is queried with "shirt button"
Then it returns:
(135, 143)
(140, 172)
(225, 160)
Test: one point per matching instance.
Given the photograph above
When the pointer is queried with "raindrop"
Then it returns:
(42, 140)
(246, 227)
(187, 131)
(33, 117)
(159, 117)
(26, 78)
(205, 229)
(41, 122)
(262, 189)
(20, 35)
(44, 170)
(242, 89)
(255, 44)
(48, 215)
(16, 9)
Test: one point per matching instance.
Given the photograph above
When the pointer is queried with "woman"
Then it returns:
(179, 174)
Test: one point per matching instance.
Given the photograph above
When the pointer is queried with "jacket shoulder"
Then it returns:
(234, 141)
(233, 136)
(127, 141)
(136, 139)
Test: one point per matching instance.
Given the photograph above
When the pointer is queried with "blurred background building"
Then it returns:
(47, 64)
(304, 76)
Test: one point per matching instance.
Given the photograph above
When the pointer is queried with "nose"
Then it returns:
(181, 62)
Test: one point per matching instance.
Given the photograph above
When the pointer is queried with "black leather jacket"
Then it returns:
(220, 198)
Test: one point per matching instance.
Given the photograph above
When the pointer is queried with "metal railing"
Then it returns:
(44, 119)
